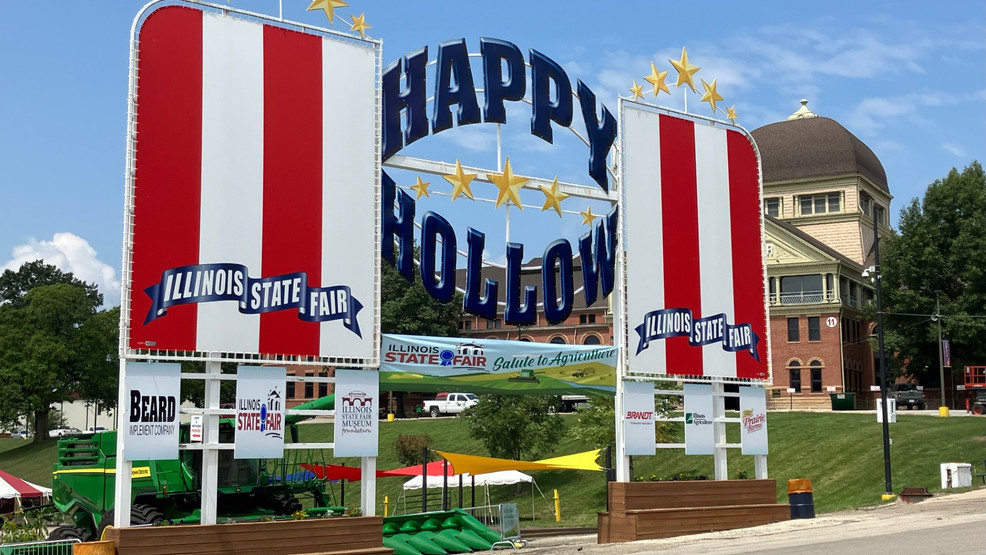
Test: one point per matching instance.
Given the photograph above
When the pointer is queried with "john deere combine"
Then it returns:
(170, 490)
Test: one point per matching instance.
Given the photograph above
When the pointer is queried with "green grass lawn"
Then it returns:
(841, 452)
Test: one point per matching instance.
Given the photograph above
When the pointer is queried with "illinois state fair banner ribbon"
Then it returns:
(206, 283)
(679, 322)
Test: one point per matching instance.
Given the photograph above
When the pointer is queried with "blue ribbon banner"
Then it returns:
(206, 283)
(679, 322)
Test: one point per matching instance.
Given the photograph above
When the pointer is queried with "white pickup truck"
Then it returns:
(449, 403)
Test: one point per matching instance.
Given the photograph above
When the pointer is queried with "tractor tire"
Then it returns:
(69, 532)
(435, 413)
(284, 504)
(978, 409)
(139, 515)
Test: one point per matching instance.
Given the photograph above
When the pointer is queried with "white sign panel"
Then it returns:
(753, 420)
(259, 412)
(356, 424)
(151, 429)
(195, 429)
(699, 432)
(638, 421)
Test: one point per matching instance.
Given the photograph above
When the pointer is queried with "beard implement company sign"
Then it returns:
(696, 302)
(244, 187)
(153, 393)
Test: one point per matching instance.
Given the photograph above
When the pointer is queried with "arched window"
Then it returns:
(816, 376)
(794, 375)
(591, 340)
(557, 340)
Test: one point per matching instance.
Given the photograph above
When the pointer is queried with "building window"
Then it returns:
(468, 325)
(822, 203)
(794, 376)
(582, 318)
(323, 387)
(493, 324)
(309, 387)
(289, 390)
(801, 289)
(591, 340)
(814, 331)
(772, 206)
(592, 318)
(816, 376)
(864, 204)
(792, 330)
(878, 213)
(770, 250)
(557, 340)
(772, 284)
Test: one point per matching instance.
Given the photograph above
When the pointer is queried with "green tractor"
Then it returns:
(170, 490)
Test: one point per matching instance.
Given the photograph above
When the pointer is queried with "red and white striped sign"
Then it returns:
(696, 303)
(254, 191)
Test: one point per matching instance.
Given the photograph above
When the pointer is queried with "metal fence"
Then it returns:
(54, 547)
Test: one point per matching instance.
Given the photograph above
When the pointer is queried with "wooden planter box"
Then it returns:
(650, 510)
(351, 535)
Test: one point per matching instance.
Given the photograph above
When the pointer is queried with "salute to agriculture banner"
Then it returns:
(414, 363)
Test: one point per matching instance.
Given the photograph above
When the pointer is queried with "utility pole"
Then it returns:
(941, 363)
(883, 366)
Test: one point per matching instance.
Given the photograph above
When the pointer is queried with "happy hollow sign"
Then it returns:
(504, 80)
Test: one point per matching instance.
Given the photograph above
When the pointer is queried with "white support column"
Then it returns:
(760, 466)
(620, 457)
(122, 491)
(719, 430)
(210, 452)
(368, 486)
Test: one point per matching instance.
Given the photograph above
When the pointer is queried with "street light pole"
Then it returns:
(883, 369)
(941, 363)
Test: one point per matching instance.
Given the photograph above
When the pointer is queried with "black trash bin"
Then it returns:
(799, 495)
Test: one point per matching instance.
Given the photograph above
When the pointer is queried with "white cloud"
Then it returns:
(70, 253)
(954, 149)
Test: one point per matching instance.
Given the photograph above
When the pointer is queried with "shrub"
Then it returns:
(408, 447)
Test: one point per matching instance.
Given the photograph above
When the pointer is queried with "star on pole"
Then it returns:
(588, 216)
(509, 186)
(637, 90)
(421, 187)
(710, 95)
(731, 114)
(460, 182)
(656, 78)
(327, 6)
(685, 71)
(553, 197)
(360, 24)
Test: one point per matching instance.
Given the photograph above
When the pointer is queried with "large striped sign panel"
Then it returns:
(253, 198)
(696, 303)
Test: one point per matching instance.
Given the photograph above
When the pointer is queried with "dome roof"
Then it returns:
(810, 146)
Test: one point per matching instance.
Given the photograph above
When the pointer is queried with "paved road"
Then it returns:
(953, 524)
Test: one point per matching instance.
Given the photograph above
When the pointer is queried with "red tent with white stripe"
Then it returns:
(14, 492)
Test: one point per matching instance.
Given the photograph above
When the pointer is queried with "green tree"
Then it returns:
(515, 426)
(15, 285)
(407, 308)
(596, 423)
(54, 343)
(940, 246)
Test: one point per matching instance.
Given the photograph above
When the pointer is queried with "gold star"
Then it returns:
(637, 90)
(421, 187)
(327, 6)
(509, 186)
(685, 71)
(359, 24)
(460, 182)
(553, 197)
(710, 95)
(731, 114)
(656, 78)
(588, 216)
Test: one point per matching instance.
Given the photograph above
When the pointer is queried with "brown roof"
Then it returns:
(814, 147)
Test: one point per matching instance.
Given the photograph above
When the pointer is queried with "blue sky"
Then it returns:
(908, 78)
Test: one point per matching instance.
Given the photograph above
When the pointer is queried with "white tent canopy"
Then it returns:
(489, 479)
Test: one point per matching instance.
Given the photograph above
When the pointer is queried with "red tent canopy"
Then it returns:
(353, 474)
(11, 486)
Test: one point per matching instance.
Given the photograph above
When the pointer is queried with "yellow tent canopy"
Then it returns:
(480, 465)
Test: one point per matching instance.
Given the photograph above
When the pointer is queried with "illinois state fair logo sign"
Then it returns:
(261, 415)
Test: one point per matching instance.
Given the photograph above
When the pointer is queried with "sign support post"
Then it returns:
(719, 430)
(210, 443)
(368, 485)
(122, 491)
